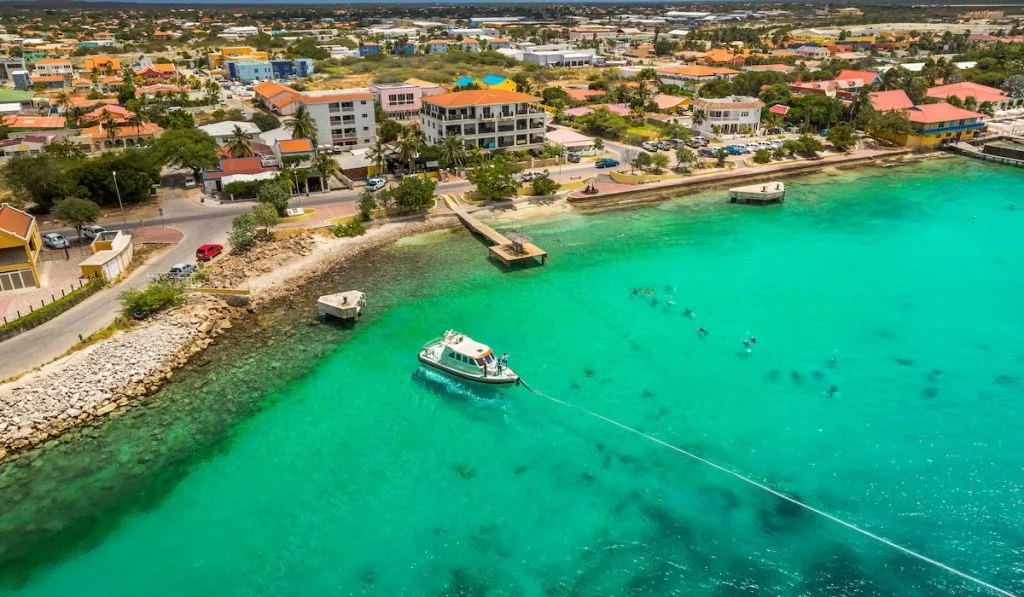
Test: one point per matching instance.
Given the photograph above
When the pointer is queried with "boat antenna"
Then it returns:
(774, 492)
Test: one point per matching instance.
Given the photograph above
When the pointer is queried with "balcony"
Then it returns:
(506, 128)
(956, 128)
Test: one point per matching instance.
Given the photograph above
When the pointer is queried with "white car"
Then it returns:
(55, 241)
(91, 232)
(376, 183)
(649, 146)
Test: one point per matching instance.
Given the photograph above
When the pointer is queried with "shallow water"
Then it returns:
(885, 387)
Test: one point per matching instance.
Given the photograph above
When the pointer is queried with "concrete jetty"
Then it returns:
(346, 306)
(759, 194)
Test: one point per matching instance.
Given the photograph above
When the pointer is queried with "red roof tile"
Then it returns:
(894, 99)
(941, 112)
(14, 221)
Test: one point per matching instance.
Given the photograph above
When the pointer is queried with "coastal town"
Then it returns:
(142, 148)
(705, 240)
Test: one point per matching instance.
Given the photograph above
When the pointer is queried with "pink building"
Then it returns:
(402, 101)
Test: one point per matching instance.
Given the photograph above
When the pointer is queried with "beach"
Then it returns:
(324, 460)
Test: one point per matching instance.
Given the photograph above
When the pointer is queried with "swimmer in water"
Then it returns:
(687, 312)
(753, 340)
(701, 331)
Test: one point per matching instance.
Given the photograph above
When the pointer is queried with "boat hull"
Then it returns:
(491, 381)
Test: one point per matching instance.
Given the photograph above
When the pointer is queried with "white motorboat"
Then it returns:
(460, 356)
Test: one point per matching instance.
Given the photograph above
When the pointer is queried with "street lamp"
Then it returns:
(124, 219)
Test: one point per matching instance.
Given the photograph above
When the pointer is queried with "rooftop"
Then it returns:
(479, 97)
(941, 112)
(894, 99)
(295, 146)
(14, 221)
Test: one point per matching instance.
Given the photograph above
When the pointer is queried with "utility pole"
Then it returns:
(124, 219)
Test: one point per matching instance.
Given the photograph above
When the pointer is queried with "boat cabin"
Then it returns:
(460, 350)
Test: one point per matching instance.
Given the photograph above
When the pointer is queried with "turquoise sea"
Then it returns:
(886, 387)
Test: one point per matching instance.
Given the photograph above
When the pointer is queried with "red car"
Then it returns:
(208, 252)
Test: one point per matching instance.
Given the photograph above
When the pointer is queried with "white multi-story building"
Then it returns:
(343, 117)
(562, 58)
(53, 67)
(485, 118)
(728, 115)
(239, 33)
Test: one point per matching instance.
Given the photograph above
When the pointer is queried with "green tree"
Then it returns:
(327, 168)
(453, 152)
(242, 235)
(809, 145)
(378, 154)
(496, 179)
(659, 162)
(265, 121)
(665, 47)
(179, 119)
(1014, 86)
(307, 48)
(842, 136)
(552, 95)
(763, 156)
(775, 94)
(414, 193)
(716, 88)
(302, 124)
(137, 171)
(889, 125)
(187, 148)
(275, 193)
(239, 145)
(367, 203)
(721, 156)
(409, 147)
(686, 157)
(36, 177)
(265, 216)
(602, 122)
(78, 213)
(543, 185)
(917, 89)
(389, 130)
(159, 295)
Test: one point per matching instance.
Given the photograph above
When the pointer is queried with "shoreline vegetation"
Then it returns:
(119, 371)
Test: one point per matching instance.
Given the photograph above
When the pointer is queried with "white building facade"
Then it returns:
(728, 115)
(488, 118)
(343, 117)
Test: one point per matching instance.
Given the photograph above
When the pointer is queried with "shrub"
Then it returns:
(763, 156)
(543, 185)
(158, 296)
(275, 193)
(243, 233)
(353, 228)
(367, 203)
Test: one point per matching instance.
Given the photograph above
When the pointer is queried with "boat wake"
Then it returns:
(454, 389)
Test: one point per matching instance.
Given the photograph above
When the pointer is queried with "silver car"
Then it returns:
(55, 241)
(181, 270)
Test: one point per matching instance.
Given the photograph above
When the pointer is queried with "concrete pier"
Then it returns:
(346, 306)
(759, 194)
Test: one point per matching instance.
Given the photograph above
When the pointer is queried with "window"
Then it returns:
(366, 128)
(743, 114)
(335, 107)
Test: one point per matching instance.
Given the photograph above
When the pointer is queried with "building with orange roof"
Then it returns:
(486, 118)
(101, 137)
(724, 57)
(300, 151)
(24, 122)
(681, 75)
(158, 72)
(103, 64)
(980, 94)
(931, 124)
(20, 245)
(584, 95)
(276, 97)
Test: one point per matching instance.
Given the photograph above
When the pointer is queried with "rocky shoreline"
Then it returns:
(119, 371)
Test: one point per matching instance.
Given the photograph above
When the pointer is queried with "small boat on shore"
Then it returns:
(458, 355)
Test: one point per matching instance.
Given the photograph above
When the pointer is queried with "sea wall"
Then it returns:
(112, 373)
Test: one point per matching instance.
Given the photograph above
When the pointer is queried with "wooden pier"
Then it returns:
(508, 251)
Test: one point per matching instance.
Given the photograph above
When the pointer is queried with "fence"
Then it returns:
(65, 254)
(37, 316)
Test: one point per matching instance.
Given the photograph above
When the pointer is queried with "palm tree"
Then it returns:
(63, 100)
(379, 154)
(476, 156)
(453, 152)
(136, 121)
(409, 147)
(239, 146)
(302, 124)
(109, 122)
(326, 167)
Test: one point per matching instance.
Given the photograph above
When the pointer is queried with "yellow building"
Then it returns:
(112, 252)
(20, 245)
(103, 64)
(217, 59)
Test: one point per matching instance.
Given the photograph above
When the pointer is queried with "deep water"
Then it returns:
(885, 387)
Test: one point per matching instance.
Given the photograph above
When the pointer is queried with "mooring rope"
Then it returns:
(777, 494)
